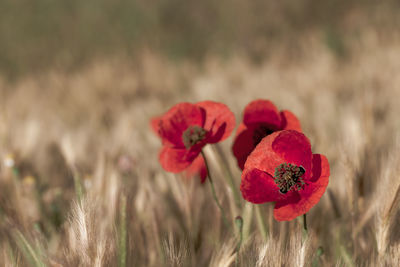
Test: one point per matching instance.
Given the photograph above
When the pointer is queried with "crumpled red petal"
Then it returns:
(259, 187)
(264, 157)
(290, 208)
(172, 125)
(176, 159)
(289, 121)
(197, 168)
(219, 120)
(294, 147)
(262, 111)
(243, 144)
(320, 167)
(286, 146)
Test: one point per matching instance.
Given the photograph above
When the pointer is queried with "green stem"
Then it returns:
(213, 190)
(229, 174)
(305, 229)
(239, 224)
(261, 223)
(305, 222)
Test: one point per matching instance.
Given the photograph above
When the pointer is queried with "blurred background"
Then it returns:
(80, 80)
(46, 35)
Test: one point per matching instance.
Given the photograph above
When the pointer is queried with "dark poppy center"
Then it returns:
(193, 135)
(261, 132)
(289, 177)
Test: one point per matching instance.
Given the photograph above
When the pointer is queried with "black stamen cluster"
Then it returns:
(193, 135)
(289, 177)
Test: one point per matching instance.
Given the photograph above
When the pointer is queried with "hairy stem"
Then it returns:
(229, 174)
(239, 225)
(305, 222)
(214, 194)
(305, 229)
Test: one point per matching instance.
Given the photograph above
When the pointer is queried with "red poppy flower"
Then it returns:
(186, 128)
(260, 118)
(282, 169)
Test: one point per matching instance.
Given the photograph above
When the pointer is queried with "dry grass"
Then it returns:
(85, 176)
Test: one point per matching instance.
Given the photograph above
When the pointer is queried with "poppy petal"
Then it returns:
(197, 168)
(309, 196)
(288, 208)
(177, 120)
(243, 144)
(176, 159)
(262, 111)
(155, 125)
(312, 193)
(263, 157)
(259, 187)
(294, 147)
(290, 121)
(219, 121)
(320, 167)
(286, 146)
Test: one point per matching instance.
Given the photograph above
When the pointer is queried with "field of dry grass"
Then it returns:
(81, 185)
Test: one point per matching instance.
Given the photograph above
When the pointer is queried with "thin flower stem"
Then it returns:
(229, 174)
(261, 223)
(305, 229)
(213, 190)
(239, 225)
(305, 222)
